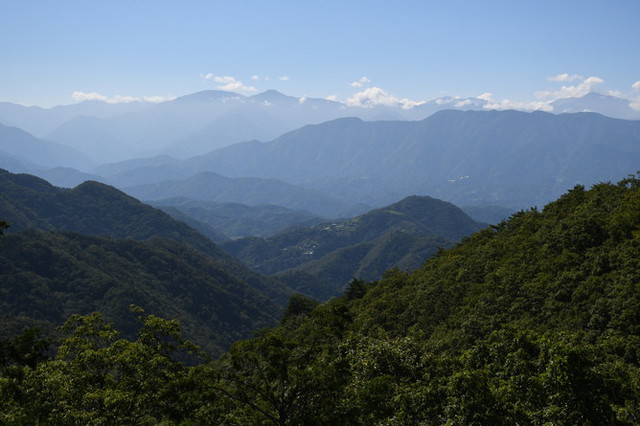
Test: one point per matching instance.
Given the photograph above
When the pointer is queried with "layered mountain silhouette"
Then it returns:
(209, 186)
(507, 158)
(201, 122)
(320, 260)
(237, 220)
(95, 248)
(22, 151)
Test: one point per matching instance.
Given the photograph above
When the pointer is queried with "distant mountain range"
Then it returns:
(202, 122)
(22, 151)
(506, 158)
(337, 168)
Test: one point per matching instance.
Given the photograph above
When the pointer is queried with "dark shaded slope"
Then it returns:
(46, 277)
(93, 208)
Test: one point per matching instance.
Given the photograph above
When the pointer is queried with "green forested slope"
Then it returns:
(46, 277)
(533, 321)
(92, 208)
(402, 234)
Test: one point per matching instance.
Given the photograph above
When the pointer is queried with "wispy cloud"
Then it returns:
(635, 102)
(117, 99)
(360, 82)
(492, 103)
(565, 77)
(284, 78)
(374, 96)
(228, 83)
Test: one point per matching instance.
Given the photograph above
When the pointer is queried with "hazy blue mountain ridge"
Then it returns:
(507, 158)
(238, 220)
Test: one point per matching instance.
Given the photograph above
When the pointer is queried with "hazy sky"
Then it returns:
(411, 50)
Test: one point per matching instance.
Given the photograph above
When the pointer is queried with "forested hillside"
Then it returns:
(45, 277)
(321, 259)
(94, 248)
(92, 208)
(533, 321)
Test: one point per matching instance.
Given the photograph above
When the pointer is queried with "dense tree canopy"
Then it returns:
(533, 321)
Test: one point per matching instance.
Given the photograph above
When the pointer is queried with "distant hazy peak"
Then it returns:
(207, 96)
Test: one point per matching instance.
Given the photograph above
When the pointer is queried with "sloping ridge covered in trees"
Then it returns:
(320, 260)
(94, 248)
(533, 321)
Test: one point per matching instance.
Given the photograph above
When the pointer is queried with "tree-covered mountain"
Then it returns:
(533, 321)
(142, 249)
(45, 277)
(238, 220)
(321, 259)
(506, 158)
(209, 186)
(92, 208)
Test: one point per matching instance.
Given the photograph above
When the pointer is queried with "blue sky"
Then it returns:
(407, 50)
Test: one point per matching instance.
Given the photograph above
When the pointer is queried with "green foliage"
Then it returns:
(533, 321)
(46, 277)
(99, 378)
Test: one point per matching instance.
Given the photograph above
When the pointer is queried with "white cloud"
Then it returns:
(461, 104)
(586, 86)
(360, 82)
(374, 96)
(302, 100)
(284, 78)
(228, 83)
(255, 77)
(333, 98)
(117, 99)
(90, 96)
(509, 104)
(635, 103)
(565, 77)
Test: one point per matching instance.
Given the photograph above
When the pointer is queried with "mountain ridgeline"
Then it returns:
(344, 167)
(506, 158)
(320, 260)
(95, 248)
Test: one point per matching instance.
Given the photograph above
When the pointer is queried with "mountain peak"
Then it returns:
(608, 105)
(273, 96)
(207, 96)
